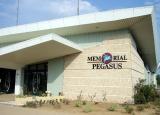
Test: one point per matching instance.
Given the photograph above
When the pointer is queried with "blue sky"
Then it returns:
(39, 10)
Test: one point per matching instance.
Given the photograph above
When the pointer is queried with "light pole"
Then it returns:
(17, 20)
(78, 7)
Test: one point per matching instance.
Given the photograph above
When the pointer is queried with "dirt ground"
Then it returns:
(6, 97)
(99, 109)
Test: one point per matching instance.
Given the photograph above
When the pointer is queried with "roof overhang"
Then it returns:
(140, 21)
(36, 50)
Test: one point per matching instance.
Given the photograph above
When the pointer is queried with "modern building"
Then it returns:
(101, 54)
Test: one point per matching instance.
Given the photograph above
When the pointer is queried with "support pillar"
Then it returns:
(19, 82)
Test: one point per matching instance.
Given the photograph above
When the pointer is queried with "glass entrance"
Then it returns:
(7, 80)
(35, 79)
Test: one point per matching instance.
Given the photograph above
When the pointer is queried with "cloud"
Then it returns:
(37, 10)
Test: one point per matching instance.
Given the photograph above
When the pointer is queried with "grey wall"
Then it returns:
(55, 75)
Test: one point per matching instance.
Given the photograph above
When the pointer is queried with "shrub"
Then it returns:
(78, 103)
(92, 97)
(87, 108)
(96, 102)
(112, 108)
(31, 104)
(144, 93)
(147, 106)
(128, 109)
(84, 102)
(80, 96)
(140, 108)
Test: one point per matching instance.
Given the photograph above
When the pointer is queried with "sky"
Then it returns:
(39, 10)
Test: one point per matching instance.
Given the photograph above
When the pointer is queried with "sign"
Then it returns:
(107, 61)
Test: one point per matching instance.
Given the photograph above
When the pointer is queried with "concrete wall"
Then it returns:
(117, 84)
(55, 76)
(137, 66)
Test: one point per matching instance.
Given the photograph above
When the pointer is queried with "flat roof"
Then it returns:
(140, 21)
(36, 50)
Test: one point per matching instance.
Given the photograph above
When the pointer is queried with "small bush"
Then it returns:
(112, 108)
(31, 104)
(84, 102)
(78, 103)
(140, 108)
(147, 106)
(96, 103)
(87, 108)
(144, 93)
(128, 109)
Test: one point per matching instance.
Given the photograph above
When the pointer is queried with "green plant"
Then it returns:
(87, 108)
(104, 96)
(84, 102)
(128, 109)
(147, 106)
(112, 107)
(78, 103)
(31, 104)
(140, 108)
(92, 97)
(144, 93)
(80, 96)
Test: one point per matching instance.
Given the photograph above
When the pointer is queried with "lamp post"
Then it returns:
(78, 7)
(17, 20)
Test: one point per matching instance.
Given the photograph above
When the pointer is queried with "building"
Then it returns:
(102, 54)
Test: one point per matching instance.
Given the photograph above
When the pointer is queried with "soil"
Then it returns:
(98, 109)
(6, 97)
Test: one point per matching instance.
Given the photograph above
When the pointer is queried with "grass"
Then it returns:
(128, 109)
(78, 103)
(100, 108)
(113, 107)
(87, 108)
(140, 108)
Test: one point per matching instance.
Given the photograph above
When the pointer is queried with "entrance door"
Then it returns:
(35, 79)
(7, 80)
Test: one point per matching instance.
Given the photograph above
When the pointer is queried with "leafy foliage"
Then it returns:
(144, 93)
